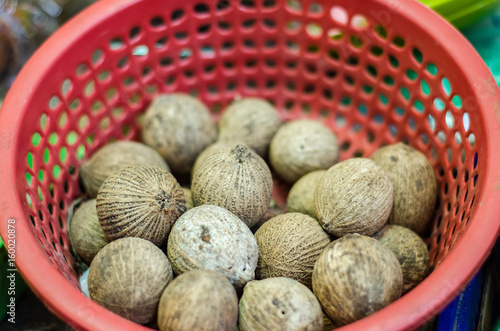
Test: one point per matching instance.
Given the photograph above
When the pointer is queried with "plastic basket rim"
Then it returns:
(79, 311)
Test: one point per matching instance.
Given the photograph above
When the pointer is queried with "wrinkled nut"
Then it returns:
(237, 179)
(188, 197)
(301, 196)
(207, 152)
(279, 304)
(85, 231)
(251, 121)
(354, 277)
(414, 182)
(354, 196)
(410, 250)
(198, 300)
(128, 277)
(114, 157)
(179, 127)
(140, 201)
(300, 147)
(289, 246)
(210, 237)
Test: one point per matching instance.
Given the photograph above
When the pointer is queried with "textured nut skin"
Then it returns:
(300, 147)
(270, 213)
(354, 196)
(410, 250)
(251, 121)
(210, 237)
(128, 277)
(85, 231)
(188, 197)
(114, 157)
(140, 201)
(207, 152)
(279, 304)
(414, 182)
(289, 246)
(237, 179)
(198, 300)
(179, 127)
(354, 277)
(301, 196)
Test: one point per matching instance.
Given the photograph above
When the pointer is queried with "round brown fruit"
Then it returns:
(354, 196)
(301, 196)
(354, 277)
(140, 201)
(128, 277)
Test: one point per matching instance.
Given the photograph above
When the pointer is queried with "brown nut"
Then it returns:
(301, 196)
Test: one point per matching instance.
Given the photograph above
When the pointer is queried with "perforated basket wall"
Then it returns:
(375, 71)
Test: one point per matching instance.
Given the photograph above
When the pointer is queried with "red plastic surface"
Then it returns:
(375, 71)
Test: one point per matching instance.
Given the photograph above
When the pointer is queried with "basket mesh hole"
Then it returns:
(339, 15)
(157, 22)
(472, 140)
(294, 6)
(417, 55)
(450, 120)
(315, 9)
(54, 102)
(116, 43)
(359, 22)
(439, 104)
(432, 69)
(162, 42)
(44, 120)
(380, 31)
(135, 32)
(398, 41)
(335, 34)
(411, 74)
(268, 23)
(293, 26)
(140, 50)
(66, 87)
(97, 57)
(393, 61)
(457, 101)
(82, 69)
(314, 29)
(356, 41)
(83, 122)
(247, 3)
(445, 83)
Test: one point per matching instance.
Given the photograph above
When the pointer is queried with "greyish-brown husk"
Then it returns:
(85, 231)
(301, 196)
(279, 304)
(237, 179)
(128, 277)
(198, 300)
(354, 277)
(210, 237)
(140, 201)
(289, 246)
(251, 121)
(300, 147)
(354, 196)
(113, 157)
(179, 127)
(207, 152)
(410, 250)
(414, 182)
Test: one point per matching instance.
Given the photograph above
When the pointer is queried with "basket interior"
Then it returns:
(363, 70)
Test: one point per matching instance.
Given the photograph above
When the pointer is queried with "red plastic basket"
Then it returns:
(375, 71)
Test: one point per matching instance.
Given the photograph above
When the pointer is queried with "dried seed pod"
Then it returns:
(289, 246)
(113, 157)
(128, 277)
(237, 179)
(410, 250)
(251, 121)
(188, 197)
(85, 231)
(279, 304)
(300, 147)
(179, 127)
(301, 196)
(354, 277)
(140, 201)
(354, 196)
(198, 300)
(210, 237)
(207, 152)
(414, 182)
